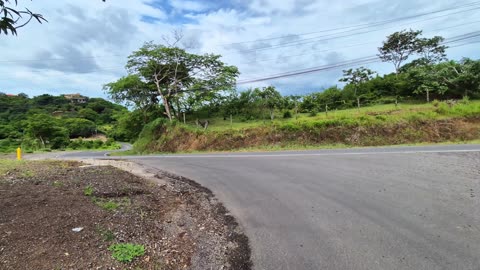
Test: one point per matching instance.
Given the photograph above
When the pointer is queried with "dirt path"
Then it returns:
(178, 223)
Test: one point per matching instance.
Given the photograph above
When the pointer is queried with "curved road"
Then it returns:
(369, 208)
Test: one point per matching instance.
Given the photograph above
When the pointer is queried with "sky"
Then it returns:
(85, 43)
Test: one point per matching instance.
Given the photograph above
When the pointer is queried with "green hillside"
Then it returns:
(48, 122)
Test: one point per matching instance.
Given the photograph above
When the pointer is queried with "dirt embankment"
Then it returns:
(175, 139)
(179, 224)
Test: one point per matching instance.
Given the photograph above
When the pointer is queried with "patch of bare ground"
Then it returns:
(179, 223)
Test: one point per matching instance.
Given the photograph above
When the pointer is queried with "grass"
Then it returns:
(111, 204)
(125, 253)
(10, 164)
(370, 126)
(380, 113)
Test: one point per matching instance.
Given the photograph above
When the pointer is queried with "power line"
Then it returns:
(332, 36)
(344, 47)
(354, 62)
(298, 42)
(359, 25)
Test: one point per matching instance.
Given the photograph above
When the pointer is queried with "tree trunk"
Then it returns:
(296, 111)
(167, 109)
(166, 104)
(272, 114)
(428, 96)
(358, 103)
(43, 142)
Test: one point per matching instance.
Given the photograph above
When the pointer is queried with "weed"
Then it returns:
(125, 253)
(106, 234)
(110, 204)
(88, 191)
(57, 184)
(27, 174)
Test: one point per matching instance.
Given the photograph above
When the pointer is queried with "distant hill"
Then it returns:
(50, 121)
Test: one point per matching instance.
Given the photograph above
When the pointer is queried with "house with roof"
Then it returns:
(76, 98)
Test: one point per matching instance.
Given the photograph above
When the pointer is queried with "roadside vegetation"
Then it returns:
(180, 101)
(428, 98)
(48, 123)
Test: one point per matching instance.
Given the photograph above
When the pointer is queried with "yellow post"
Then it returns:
(19, 153)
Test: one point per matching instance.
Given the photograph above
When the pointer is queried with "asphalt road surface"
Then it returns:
(374, 208)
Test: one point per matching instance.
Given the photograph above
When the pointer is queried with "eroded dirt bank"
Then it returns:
(179, 224)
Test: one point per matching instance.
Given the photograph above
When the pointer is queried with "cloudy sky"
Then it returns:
(85, 43)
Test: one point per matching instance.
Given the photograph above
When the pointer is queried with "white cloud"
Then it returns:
(180, 5)
(95, 38)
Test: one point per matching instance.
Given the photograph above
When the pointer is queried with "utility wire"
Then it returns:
(359, 25)
(354, 62)
(329, 37)
(343, 47)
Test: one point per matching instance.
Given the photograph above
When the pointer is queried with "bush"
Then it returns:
(442, 108)
(465, 100)
(126, 252)
(82, 144)
(78, 127)
(287, 114)
(313, 113)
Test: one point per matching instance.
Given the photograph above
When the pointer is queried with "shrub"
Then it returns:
(287, 114)
(126, 252)
(465, 100)
(313, 113)
(442, 108)
(97, 144)
(109, 142)
(381, 117)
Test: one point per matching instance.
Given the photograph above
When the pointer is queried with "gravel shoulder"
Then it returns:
(179, 223)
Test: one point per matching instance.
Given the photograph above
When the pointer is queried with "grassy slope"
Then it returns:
(370, 126)
(390, 112)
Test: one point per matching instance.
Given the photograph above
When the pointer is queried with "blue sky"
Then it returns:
(85, 43)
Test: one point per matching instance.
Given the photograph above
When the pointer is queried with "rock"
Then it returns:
(78, 229)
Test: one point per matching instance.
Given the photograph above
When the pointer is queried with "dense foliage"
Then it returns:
(47, 121)
(161, 83)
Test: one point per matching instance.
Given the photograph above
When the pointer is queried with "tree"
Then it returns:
(172, 72)
(430, 50)
(12, 18)
(47, 130)
(398, 47)
(271, 99)
(88, 114)
(78, 127)
(356, 78)
(462, 78)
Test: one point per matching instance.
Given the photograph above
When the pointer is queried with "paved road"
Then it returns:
(374, 208)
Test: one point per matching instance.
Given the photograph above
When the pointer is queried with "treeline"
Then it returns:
(169, 82)
(50, 122)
